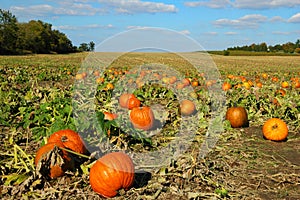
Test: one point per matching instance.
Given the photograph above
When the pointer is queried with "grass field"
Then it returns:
(37, 98)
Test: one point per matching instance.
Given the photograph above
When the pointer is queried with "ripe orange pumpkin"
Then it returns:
(142, 117)
(259, 84)
(109, 86)
(195, 83)
(52, 165)
(186, 81)
(110, 116)
(187, 107)
(282, 92)
(226, 86)
(70, 139)
(112, 172)
(284, 84)
(133, 102)
(275, 129)
(237, 116)
(129, 101)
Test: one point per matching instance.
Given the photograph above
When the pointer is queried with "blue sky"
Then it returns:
(214, 24)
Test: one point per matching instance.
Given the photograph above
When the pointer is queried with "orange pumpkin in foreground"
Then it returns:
(112, 172)
(70, 139)
(237, 117)
(142, 118)
(275, 129)
(55, 161)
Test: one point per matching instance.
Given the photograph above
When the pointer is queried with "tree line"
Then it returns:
(288, 47)
(34, 36)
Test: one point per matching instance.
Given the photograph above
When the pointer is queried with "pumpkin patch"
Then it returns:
(189, 134)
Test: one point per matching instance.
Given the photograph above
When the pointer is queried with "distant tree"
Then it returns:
(8, 32)
(91, 46)
(61, 43)
(288, 47)
(297, 44)
(87, 46)
(83, 47)
(263, 47)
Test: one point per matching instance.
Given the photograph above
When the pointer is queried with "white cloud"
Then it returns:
(246, 4)
(92, 7)
(281, 33)
(212, 33)
(139, 27)
(231, 33)
(89, 26)
(210, 4)
(295, 18)
(277, 19)
(138, 6)
(247, 21)
(63, 9)
(185, 32)
(265, 4)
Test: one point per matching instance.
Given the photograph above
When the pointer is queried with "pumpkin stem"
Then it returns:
(275, 126)
(64, 138)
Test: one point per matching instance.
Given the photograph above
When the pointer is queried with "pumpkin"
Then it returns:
(109, 86)
(52, 161)
(133, 102)
(187, 107)
(284, 84)
(142, 118)
(110, 116)
(129, 101)
(275, 129)
(186, 81)
(226, 86)
(259, 84)
(195, 83)
(70, 139)
(110, 173)
(237, 116)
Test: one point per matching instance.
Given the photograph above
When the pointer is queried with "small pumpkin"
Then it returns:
(112, 172)
(237, 116)
(226, 86)
(284, 84)
(70, 139)
(275, 129)
(129, 101)
(142, 117)
(110, 116)
(52, 161)
(187, 107)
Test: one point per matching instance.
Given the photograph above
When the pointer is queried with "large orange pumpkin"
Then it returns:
(70, 140)
(55, 161)
(187, 107)
(275, 129)
(111, 173)
(237, 116)
(142, 118)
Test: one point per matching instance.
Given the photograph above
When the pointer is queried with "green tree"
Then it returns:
(8, 32)
(91, 46)
(288, 47)
(83, 47)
